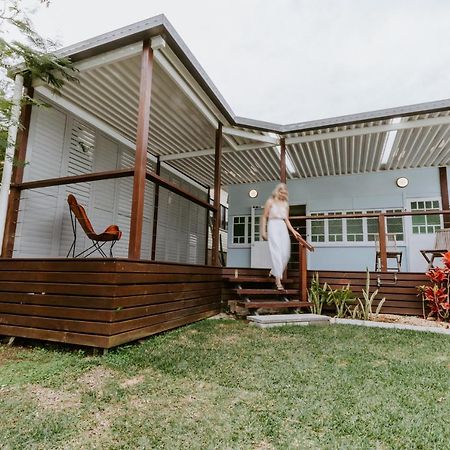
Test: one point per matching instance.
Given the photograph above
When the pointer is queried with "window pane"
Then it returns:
(317, 229)
(355, 228)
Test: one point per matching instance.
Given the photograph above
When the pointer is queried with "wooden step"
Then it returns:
(272, 304)
(240, 280)
(265, 292)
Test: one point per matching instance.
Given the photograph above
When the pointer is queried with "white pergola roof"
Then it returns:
(186, 109)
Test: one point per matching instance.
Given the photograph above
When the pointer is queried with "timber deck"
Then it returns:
(107, 302)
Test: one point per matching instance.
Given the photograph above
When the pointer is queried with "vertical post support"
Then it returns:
(283, 160)
(217, 184)
(443, 182)
(19, 156)
(382, 235)
(140, 160)
(303, 273)
(207, 227)
(155, 209)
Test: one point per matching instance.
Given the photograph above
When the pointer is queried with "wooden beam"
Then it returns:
(283, 160)
(17, 177)
(140, 159)
(155, 210)
(217, 185)
(382, 236)
(443, 182)
(97, 176)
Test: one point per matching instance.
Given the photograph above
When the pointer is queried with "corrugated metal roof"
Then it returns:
(186, 108)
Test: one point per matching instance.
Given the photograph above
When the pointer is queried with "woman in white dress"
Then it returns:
(276, 216)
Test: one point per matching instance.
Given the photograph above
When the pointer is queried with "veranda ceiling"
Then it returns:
(186, 108)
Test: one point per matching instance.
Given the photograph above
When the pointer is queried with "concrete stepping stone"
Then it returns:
(278, 320)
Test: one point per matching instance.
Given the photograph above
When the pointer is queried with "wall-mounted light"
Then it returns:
(402, 182)
(253, 193)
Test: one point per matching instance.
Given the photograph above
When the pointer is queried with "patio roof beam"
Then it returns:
(184, 86)
(210, 151)
(250, 135)
(113, 56)
(158, 44)
(429, 122)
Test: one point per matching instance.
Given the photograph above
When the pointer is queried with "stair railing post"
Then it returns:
(382, 235)
(303, 273)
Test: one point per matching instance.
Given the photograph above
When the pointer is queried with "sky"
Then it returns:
(288, 61)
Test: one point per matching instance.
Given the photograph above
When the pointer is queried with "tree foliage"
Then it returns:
(23, 49)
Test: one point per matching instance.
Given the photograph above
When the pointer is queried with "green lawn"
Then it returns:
(224, 384)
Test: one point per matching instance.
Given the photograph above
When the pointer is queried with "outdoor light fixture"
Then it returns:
(402, 182)
(253, 193)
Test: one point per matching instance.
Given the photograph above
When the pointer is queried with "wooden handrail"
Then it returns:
(120, 173)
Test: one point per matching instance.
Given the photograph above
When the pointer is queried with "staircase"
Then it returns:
(253, 293)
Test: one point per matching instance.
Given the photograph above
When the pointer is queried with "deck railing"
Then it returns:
(17, 188)
(304, 246)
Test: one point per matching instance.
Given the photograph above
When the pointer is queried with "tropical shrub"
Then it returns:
(436, 295)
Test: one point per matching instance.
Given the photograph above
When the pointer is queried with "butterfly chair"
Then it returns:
(112, 234)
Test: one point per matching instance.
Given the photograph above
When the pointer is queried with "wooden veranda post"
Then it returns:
(382, 235)
(140, 160)
(17, 177)
(443, 182)
(282, 160)
(217, 184)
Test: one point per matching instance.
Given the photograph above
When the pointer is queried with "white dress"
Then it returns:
(278, 237)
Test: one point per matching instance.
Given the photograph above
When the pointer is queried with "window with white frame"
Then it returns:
(353, 230)
(335, 229)
(318, 228)
(241, 229)
(425, 224)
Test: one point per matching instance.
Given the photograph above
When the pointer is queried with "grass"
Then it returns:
(223, 384)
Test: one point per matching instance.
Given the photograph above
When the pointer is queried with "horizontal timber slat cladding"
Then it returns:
(401, 294)
(107, 302)
(103, 303)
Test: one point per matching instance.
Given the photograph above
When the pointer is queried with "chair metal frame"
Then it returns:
(96, 245)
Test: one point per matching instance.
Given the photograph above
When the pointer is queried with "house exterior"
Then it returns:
(346, 243)
(145, 141)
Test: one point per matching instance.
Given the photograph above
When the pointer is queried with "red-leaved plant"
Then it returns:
(437, 294)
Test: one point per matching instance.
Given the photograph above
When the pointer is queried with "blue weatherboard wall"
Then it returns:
(336, 193)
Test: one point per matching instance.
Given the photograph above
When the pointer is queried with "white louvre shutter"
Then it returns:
(80, 151)
(103, 203)
(124, 199)
(38, 207)
(181, 225)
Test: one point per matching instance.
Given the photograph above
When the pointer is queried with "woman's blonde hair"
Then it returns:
(277, 190)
